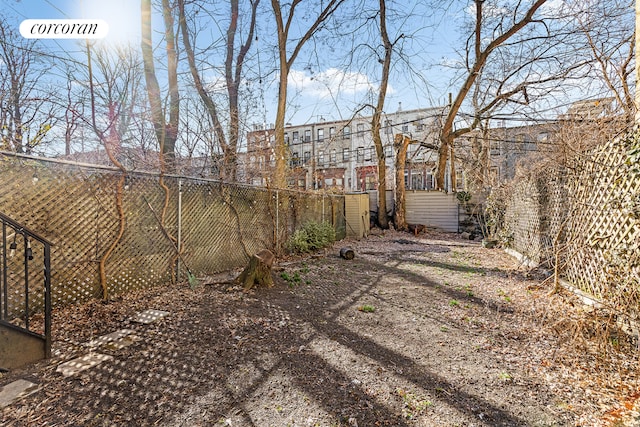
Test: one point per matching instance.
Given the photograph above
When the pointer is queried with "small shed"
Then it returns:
(356, 207)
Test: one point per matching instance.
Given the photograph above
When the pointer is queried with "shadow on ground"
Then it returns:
(305, 352)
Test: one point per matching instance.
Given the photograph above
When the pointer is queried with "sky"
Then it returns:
(313, 91)
(122, 16)
(320, 85)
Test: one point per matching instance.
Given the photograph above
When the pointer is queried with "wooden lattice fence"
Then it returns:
(74, 207)
(604, 231)
(585, 219)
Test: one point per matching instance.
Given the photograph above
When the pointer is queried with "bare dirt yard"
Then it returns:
(426, 330)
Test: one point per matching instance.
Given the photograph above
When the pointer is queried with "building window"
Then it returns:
(429, 181)
(388, 127)
(307, 156)
(321, 158)
(369, 154)
(405, 129)
(346, 132)
(459, 179)
(333, 157)
(370, 182)
(332, 132)
(388, 151)
(286, 138)
(295, 160)
(360, 129)
(345, 154)
(295, 137)
(495, 148)
(416, 181)
(307, 136)
(320, 135)
(360, 154)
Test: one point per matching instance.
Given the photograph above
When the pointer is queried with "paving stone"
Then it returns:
(82, 363)
(115, 340)
(16, 390)
(149, 316)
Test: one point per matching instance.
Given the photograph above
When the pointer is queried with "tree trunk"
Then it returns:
(258, 271)
(279, 178)
(481, 52)
(400, 144)
(383, 221)
(286, 58)
(446, 141)
(171, 129)
(166, 133)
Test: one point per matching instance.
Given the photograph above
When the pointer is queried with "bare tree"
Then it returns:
(233, 73)
(481, 46)
(25, 113)
(203, 153)
(117, 92)
(385, 60)
(286, 58)
(166, 130)
(74, 103)
(612, 43)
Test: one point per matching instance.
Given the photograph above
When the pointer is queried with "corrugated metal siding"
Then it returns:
(357, 214)
(433, 209)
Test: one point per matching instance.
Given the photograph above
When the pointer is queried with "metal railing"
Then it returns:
(19, 279)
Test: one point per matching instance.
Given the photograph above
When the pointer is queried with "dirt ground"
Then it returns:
(415, 331)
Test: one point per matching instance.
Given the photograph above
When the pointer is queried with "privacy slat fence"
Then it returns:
(433, 209)
(585, 219)
(75, 207)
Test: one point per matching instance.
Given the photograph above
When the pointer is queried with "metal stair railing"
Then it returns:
(11, 230)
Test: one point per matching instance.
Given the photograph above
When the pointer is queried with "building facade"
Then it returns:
(495, 155)
(341, 156)
(490, 157)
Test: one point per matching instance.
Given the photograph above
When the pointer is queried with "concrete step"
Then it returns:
(15, 391)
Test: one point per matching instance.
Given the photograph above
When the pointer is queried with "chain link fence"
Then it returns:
(126, 227)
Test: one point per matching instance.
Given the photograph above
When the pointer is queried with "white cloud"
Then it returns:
(215, 84)
(449, 62)
(330, 83)
(561, 9)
